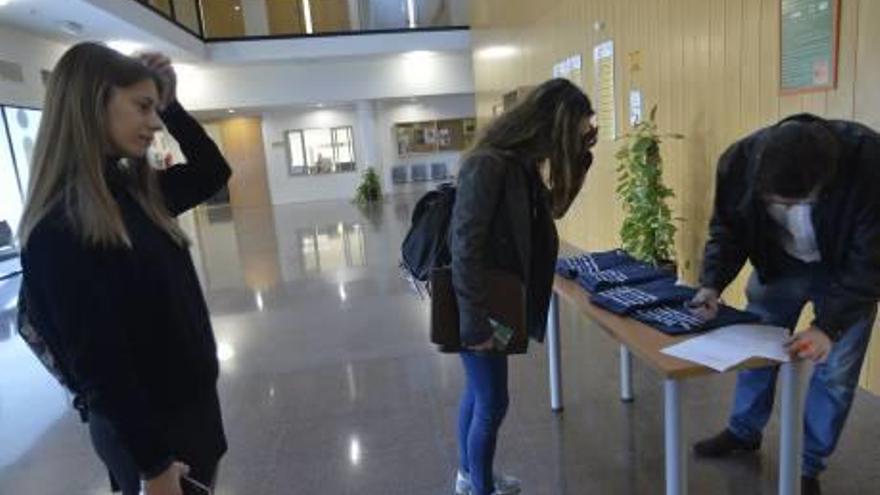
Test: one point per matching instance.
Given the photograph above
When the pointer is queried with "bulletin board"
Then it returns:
(809, 40)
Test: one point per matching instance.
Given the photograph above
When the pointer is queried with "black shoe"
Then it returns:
(810, 486)
(724, 444)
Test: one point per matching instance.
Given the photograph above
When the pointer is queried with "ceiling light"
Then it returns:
(497, 52)
(418, 54)
(237, 8)
(125, 47)
(307, 16)
(230, 111)
(411, 13)
(3, 3)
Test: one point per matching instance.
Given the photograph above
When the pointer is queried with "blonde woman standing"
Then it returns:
(108, 274)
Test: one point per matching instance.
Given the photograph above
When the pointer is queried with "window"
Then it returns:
(17, 139)
(23, 126)
(296, 153)
(343, 148)
(321, 151)
(10, 196)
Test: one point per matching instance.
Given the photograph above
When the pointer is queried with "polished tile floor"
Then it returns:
(329, 385)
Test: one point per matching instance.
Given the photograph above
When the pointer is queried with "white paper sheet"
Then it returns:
(727, 347)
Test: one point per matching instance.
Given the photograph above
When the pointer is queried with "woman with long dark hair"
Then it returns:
(108, 274)
(523, 173)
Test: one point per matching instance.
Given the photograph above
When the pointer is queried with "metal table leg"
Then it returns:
(626, 386)
(791, 426)
(676, 460)
(553, 353)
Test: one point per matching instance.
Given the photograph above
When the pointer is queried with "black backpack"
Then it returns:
(47, 351)
(426, 245)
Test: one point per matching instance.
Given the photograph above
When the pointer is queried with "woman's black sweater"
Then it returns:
(132, 323)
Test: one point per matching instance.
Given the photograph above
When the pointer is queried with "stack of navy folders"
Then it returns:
(575, 266)
(662, 304)
(620, 284)
(625, 299)
(679, 320)
(627, 275)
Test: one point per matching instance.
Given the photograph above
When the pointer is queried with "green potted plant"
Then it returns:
(370, 189)
(648, 231)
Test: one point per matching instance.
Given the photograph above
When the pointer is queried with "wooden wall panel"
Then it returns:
(711, 66)
(222, 20)
(163, 5)
(243, 147)
(285, 16)
(330, 16)
(867, 83)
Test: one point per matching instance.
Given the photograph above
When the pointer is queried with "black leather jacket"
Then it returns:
(501, 220)
(846, 219)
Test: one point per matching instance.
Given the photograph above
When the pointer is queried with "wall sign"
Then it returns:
(810, 33)
(603, 60)
(635, 107)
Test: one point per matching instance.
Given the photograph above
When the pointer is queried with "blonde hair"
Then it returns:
(71, 151)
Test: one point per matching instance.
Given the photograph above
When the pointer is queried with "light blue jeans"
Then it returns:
(483, 407)
(833, 384)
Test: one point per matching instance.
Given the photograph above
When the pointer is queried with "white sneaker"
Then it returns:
(504, 485)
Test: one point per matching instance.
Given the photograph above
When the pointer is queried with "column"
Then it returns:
(368, 141)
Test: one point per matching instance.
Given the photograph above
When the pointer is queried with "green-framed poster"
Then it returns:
(810, 33)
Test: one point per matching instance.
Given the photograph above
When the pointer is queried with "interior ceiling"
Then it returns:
(47, 18)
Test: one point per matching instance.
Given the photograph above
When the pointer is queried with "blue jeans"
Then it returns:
(482, 411)
(833, 384)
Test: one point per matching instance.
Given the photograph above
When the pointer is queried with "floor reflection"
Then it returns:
(30, 399)
(329, 385)
(331, 247)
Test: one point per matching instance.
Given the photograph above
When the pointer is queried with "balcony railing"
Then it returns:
(225, 20)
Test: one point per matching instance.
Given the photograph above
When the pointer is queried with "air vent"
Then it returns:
(10, 71)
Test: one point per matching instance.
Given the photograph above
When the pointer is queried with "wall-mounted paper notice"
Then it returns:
(603, 60)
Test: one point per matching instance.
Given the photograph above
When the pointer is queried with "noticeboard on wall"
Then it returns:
(434, 136)
(810, 34)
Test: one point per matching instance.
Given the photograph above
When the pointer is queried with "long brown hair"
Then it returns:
(71, 151)
(547, 124)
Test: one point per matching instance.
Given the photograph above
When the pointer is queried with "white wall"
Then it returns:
(287, 189)
(34, 55)
(345, 80)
